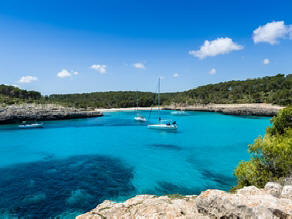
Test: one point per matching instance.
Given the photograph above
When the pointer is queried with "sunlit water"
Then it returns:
(68, 167)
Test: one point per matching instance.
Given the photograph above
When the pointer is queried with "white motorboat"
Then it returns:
(31, 126)
(179, 113)
(162, 124)
(140, 118)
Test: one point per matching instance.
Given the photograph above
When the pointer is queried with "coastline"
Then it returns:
(44, 112)
(250, 109)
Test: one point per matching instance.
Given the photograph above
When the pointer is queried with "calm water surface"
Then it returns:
(70, 166)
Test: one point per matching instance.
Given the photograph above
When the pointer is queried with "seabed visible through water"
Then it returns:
(69, 167)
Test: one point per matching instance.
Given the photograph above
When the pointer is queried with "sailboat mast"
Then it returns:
(159, 99)
(137, 100)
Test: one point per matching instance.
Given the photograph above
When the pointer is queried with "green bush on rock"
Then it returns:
(271, 156)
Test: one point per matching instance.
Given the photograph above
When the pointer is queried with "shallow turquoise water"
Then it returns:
(51, 171)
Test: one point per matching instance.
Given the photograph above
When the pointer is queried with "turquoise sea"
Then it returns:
(70, 166)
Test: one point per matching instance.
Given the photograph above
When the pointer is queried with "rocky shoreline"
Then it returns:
(42, 112)
(274, 201)
(33, 112)
(252, 109)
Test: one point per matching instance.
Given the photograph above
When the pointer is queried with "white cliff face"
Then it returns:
(275, 201)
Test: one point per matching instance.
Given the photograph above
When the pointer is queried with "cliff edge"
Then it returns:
(32, 112)
(274, 201)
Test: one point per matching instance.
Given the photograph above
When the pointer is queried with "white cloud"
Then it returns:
(139, 65)
(272, 32)
(100, 68)
(266, 61)
(64, 74)
(75, 72)
(212, 71)
(27, 79)
(216, 47)
(175, 75)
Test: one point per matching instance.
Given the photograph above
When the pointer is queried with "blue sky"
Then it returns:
(70, 46)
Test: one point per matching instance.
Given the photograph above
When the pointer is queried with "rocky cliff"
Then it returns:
(274, 201)
(253, 109)
(31, 112)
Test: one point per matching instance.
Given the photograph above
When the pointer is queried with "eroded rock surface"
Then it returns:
(252, 109)
(31, 112)
(250, 202)
(147, 206)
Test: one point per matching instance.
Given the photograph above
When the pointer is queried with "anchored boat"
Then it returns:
(139, 117)
(162, 124)
(31, 125)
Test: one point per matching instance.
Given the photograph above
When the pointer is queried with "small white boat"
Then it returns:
(162, 124)
(31, 126)
(179, 113)
(139, 118)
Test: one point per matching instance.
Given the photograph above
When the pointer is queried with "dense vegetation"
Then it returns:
(275, 89)
(12, 95)
(271, 156)
(112, 99)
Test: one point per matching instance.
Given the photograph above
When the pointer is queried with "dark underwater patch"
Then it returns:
(49, 188)
(164, 188)
(223, 181)
(166, 146)
(212, 179)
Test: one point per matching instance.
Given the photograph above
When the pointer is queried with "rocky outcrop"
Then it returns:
(32, 112)
(274, 201)
(147, 206)
(249, 202)
(254, 109)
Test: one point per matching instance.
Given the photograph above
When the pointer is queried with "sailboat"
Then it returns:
(162, 124)
(139, 117)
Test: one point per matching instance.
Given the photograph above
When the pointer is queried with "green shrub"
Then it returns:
(271, 156)
(281, 122)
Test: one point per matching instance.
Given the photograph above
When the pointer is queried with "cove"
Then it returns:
(69, 167)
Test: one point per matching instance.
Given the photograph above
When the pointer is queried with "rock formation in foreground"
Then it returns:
(31, 112)
(252, 109)
(274, 201)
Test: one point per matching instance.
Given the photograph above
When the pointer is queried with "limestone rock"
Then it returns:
(287, 192)
(252, 109)
(147, 206)
(31, 112)
(273, 188)
(248, 202)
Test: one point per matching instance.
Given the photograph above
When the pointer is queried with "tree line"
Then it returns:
(273, 89)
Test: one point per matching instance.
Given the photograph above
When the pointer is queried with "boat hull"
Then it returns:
(140, 119)
(163, 127)
(179, 113)
(30, 126)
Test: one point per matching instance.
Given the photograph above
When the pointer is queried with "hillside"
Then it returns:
(13, 95)
(273, 89)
